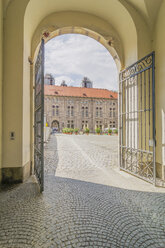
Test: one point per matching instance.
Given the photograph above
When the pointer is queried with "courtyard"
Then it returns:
(82, 206)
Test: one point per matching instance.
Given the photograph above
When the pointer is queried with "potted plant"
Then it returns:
(64, 130)
(116, 131)
(86, 130)
(98, 130)
(109, 131)
(76, 131)
(71, 130)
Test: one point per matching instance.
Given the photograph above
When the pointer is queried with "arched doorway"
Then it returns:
(136, 111)
(55, 125)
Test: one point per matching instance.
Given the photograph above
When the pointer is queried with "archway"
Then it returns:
(55, 125)
(85, 123)
(131, 87)
(56, 15)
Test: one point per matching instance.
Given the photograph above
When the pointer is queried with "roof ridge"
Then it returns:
(81, 88)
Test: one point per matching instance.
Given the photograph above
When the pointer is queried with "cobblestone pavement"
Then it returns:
(76, 213)
(81, 156)
(90, 158)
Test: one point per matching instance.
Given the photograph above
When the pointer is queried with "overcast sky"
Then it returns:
(70, 57)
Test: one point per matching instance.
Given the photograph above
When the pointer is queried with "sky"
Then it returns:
(71, 57)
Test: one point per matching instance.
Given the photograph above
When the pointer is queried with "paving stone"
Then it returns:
(78, 213)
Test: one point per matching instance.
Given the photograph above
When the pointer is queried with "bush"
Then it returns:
(76, 130)
(64, 130)
(109, 130)
(98, 130)
(86, 130)
(71, 130)
(67, 130)
(116, 131)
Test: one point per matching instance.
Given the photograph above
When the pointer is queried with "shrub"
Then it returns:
(109, 130)
(64, 130)
(71, 130)
(76, 130)
(86, 130)
(116, 131)
(67, 130)
(98, 130)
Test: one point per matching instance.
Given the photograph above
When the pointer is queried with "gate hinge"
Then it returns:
(34, 87)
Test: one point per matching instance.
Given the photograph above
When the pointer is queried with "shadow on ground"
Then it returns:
(74, 213)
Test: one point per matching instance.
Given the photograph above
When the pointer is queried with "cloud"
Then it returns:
(70, 57)
(68, 80)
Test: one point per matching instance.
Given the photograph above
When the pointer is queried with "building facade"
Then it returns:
(77, 107)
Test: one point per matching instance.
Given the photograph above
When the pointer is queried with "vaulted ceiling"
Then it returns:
(148, 9)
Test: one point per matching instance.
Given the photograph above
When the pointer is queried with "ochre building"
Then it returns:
(78, 107)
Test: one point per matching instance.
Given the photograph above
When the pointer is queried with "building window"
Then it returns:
(110, 113)
(101, 112)
(86, 124)
(97, 112)
(68, 125)
(68, 111)
(57, 110)
(72, 124)
(86, 111)
(113, 103)
(114, 114)
(72, 111)
(82, 124)
(82, 111)
(53, 110)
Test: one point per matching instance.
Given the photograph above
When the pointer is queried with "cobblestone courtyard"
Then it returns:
(87, 202)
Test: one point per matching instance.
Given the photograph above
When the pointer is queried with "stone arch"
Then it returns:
(55, 124)
(82, 14)
(49, 34)
(59, 17)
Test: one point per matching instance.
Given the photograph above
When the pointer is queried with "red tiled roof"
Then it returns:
(53, 90)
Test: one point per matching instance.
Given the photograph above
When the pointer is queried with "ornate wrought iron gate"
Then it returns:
(137, 118)
(39, 118)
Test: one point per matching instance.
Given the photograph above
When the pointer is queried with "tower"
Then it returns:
(87, 83)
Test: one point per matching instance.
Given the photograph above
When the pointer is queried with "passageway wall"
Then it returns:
(1, 79)
(159, 47)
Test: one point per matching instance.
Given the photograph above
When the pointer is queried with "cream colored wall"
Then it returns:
(143, 30)
(13, 84)
(1, 78)
(159, 47)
